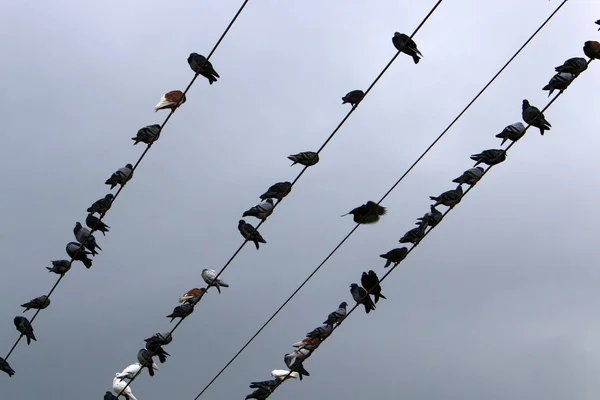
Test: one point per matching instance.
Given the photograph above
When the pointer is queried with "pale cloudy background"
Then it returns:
(499, 302)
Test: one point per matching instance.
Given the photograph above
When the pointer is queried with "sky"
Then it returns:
(499, 301)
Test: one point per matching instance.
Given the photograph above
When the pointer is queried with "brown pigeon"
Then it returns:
(170, 100)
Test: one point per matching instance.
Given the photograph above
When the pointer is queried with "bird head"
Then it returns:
(343, 305)
(129, 166)
(525, 103)
(270, 201)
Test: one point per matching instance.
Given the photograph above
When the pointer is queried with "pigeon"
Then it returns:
(60, 267)
(109, 396)
(260, 211)
(308, 343)
(85, 237)
(192, 296)
(120, 176)
(470, 176)
(200, 65)
(5, 367)
(598, 23)
(415, 235)
(306, 158)
(156, 349)
(181, 311)
(39, 303)
(76, 252)
(368, 213)
(24, 327)
(449, 198)
(259, 394)
(512, 132)
(354, 97)
(162, 339)
(560, 82)
(277, 191)
(145, 359)
(249, 233)
(575, 65)
(432, 218)
(489, 157)
(148, 134)
(268, 385)
(360, 296)
(283, 374)
(394, 256)
(301, 354)
(534, 117)
(132, 370)
(321, 332)
(406, 45)
(209, 276)
(370, 281)
(101, 206)
(337, 316)
(122, 388)
(591, 48)
(170, 100)
(94, 223)
(299, 368)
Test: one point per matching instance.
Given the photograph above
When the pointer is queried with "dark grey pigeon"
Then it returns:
(321, 332)
(156, 349)
(39, 303)
(432, 218)
(337, 316)
(76, 252)
(148, 134)
(277, 191)
(415, 235)
(259, 394)
(370, 281)
(24, 327)
(306, 158)
(575, 65)
(512, 132)
(267, 385)
(5, 367)
(449, 198)
(101, 206)
(161, 339)
(85, 237)
(490, 157)
(260, 211)
(360, 296)
(181, 311)
(406, 45)
(368, 213)
(200, 65)
(96, 224)
(470, 176)
(394, 256)
(534, 117)
(109, 396)
(120, 176)
(299, 368)
(60, 267)
(354, 97)
(250, 233)
(145, 360)
(560, 82)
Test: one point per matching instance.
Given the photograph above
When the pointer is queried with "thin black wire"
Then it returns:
(386, 194)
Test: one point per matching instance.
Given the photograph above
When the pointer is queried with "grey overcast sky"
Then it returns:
(499, 302)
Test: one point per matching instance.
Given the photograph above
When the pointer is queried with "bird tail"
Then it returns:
(218, 288)
(150, 370)
(415, 58)
(457, 180)
(221, 283)
(256, 244)
(387, 263)
(382, 296)
(433, 198)
(344, 215)
(49, 269)
(87, 262)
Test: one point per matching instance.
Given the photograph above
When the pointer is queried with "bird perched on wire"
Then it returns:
(24, 327)
(277, 191)
(78, 253)
(39, 303)
(298, 354)
(449, 198)
(406, 45)
(470, 176)
(360, 296)
(145, 359)
(560, 82)
(284, 374)
(5, 367)
(512, 132)
(148, 134)
(102, 205)
(259, 394)
(162, 339)
(96, 224)
(200, 65)
(432, 218)
(120, 176)
(122, 388)
(192, 296)
(415, 235)
(269, 385)
(575, 65)
(109, 396)
(591, 48)
(85, 237)
(131, 370)
(60, 267)
(368, 213)
(321, 332)
(210, 277)
(337, 316)
(181, 311)
(307, 343)
(299, 368)
(155, 349)
(370, 281)
(250, 233)
(489, 157)
(394, 256)
(260, 211)
(171, 100)
(354, 97)
(306, 158)
(534, 117)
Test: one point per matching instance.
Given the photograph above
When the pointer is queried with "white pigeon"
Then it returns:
(119, 385)
(209, 275)
(283, 373)
(130, 371)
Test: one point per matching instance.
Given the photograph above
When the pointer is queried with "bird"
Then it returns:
(534, 117)
(489, 157)
(470, 176)
(308, 343)
(170, 100)
(39, 303)
(60, 267)
(301, 353)
(200, 65)
(120, 176)
(591, 48)
(354, 97)
(270, 384)
(394, 256)
(161, 338)
(415, 235)
(5, 367)
(85, 237)
(260, 211)
(148, 134)
(192, 296)
(360, 296)
(560, 82)
(181, 311)
(96, 224)
(368, 213)
(337, 316)
(155, 349)
(122, 388)
(406, 45)
(283, 374)
(76, 252)
(132, 370)
(109, 396)
(210, 277)
(299, 368)
(277, 191)
(432, 218)
(24, 327)
(102, 205)
(575, 65)
(306, 158)
(145, 359)
(449, 198)
(259, 394)
(250, 233)
(512, 132)
(321, 332)
(597, 23)
(370, 281)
